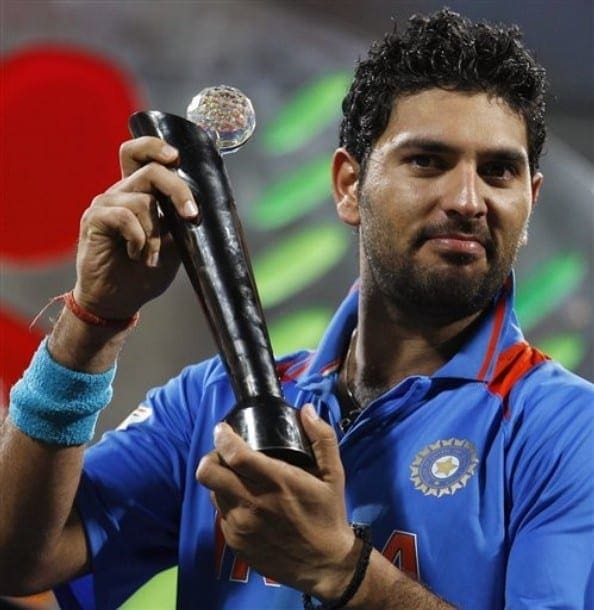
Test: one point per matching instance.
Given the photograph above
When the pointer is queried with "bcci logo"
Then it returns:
(444, 467)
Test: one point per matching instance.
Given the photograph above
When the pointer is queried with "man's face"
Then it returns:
(444, 203)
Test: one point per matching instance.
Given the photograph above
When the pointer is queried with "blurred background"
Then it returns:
(73, 71)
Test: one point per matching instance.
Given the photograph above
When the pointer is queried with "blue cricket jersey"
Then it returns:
(478, 481)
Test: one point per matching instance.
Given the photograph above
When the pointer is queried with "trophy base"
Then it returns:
(273, 427)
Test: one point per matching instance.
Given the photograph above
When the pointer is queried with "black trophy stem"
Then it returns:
(215, 257)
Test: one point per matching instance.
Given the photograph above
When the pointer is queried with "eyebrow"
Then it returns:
(502, 153)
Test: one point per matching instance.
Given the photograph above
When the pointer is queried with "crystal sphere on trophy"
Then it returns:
(213, 252)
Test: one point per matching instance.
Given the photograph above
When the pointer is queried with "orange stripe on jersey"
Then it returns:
(282, 370)
(511, 365)
(331, 367)
(497, 324)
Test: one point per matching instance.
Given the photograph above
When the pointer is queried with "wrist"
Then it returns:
(81, 339)
(57, 405)
(80, 346)
(91, 314)
(99, 312)
(336, 590)
(335, 579)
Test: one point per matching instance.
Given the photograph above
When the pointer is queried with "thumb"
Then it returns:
(324, 444)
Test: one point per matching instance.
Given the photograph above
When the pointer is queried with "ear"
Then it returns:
(345, 182)
(535, 188)
(536, 185)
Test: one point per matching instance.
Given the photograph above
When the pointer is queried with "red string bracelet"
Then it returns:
(87, 316)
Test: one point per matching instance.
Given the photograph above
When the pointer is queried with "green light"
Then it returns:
(293, 197)
(159, 592)
(298, 260)
(542, 292)
(310, 111)
(569, 349)
(300, 330)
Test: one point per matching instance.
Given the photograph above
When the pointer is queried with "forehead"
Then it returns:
(459, 118)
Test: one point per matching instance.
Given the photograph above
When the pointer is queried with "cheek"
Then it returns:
(508, 223)
(517, 213)
(393, 201)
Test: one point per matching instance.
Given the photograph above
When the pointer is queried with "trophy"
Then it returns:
(214, 254)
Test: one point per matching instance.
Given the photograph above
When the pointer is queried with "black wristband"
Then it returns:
(362, 532)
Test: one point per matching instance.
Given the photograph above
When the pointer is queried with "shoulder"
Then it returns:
(213, 371)
(291, 366)
(553, 391)
(550, 424)
(526, 379)
(192, 380)
(547, 410)
(209, 379)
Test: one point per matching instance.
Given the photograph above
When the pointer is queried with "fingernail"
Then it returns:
(310, 412)
(168, 151)
(190, 208)
(219, 433)
(154, 259)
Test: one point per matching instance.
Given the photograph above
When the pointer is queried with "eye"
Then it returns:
(424, 162)
(500, 170)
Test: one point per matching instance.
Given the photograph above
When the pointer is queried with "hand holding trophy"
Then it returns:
(214, 254)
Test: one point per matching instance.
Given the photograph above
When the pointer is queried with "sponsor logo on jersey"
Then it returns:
(444, 467)
(140, 414)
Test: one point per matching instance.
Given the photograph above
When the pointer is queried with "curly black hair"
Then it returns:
(448, 51)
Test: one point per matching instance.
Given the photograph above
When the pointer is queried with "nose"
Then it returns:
(463, 193)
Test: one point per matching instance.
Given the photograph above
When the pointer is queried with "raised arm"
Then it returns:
(124, 260)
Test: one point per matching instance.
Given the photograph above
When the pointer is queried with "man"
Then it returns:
(462, 452)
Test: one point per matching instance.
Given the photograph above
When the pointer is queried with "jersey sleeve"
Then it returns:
(550, 473)
(130, 496)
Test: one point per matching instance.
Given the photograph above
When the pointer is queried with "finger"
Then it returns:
(102, 221)
(144, 207)
(324, 444)
(221, 504)
(149, 220)
(221, 480)
(258, 470)
(221, 510)
(140, 151)
(155, 178)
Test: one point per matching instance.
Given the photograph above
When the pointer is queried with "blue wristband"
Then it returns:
(57, 405)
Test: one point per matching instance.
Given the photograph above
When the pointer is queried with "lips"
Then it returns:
(460, 242)
(462, 235)
(465, 244)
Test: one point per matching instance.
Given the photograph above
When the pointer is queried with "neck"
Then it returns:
(389, 346)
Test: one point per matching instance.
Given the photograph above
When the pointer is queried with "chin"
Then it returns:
(449, 293)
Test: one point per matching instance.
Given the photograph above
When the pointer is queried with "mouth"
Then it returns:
(458, 243)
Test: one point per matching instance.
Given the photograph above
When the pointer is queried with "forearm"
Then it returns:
(38, 483)
(82, 347)
(385, 587)
(39, 479)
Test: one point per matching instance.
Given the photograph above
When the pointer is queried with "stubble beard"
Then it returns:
(440, 295)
